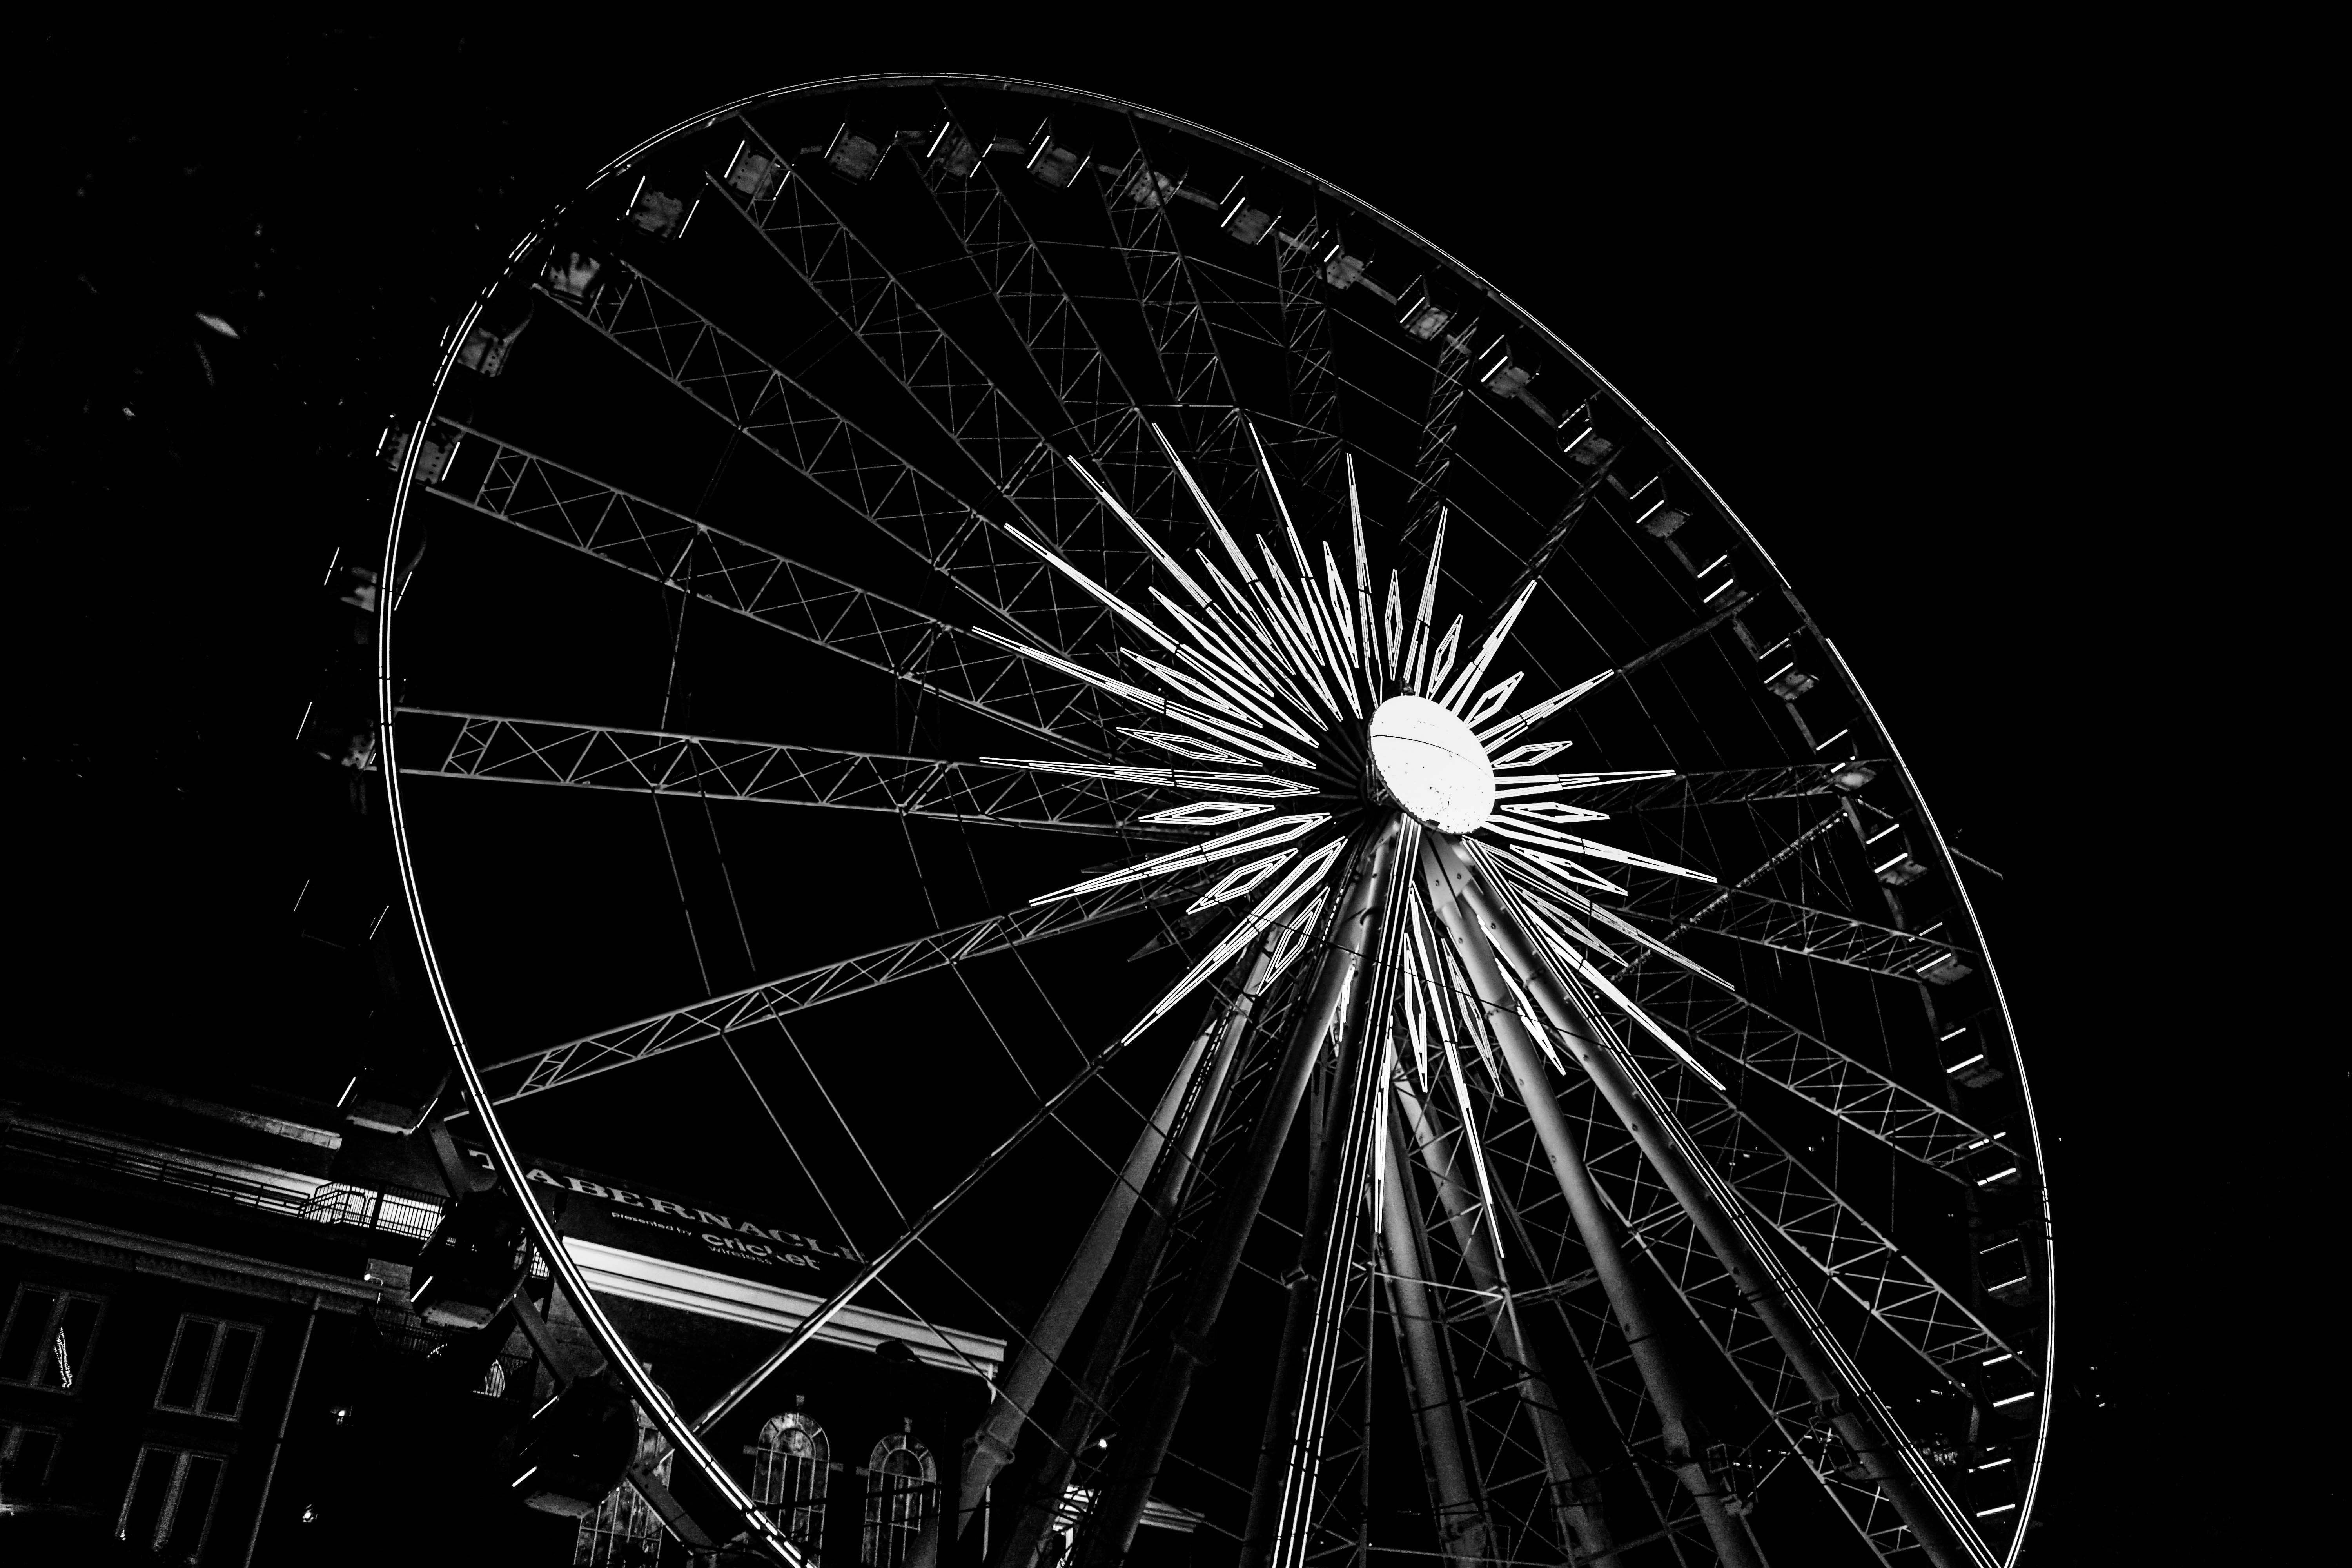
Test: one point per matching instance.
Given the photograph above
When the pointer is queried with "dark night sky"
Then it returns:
(1895, 308)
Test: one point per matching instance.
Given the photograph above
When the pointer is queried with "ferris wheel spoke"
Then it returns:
(776, 412)
(444, 744)
(1710, 1295)
(535, 1072)
(500, 480)
(1818, 1223)
(1101, 408)
(1435, 430)
(1454, 460)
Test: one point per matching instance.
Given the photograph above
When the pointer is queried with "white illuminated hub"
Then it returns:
(1430, 761)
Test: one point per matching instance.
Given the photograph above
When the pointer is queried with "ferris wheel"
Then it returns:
(1144, 663)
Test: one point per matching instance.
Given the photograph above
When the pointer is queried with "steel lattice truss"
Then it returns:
(1820, 933)
(1164, 487)
(583, 757)
(676, 551)
(676, 1028)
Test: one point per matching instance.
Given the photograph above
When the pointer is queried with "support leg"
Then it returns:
(1076, 1428)
(1626, 1300)
(1112, 1530)
(1469, 901)
(1464, 1536)
(1339, 1171)
(1575, 1492)
(993, 1443)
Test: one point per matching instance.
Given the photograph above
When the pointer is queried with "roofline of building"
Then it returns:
(633, 1276)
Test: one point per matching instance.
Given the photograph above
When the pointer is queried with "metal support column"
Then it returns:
(1454, 883)
(1593, 1224)
(1575, 1490)
(1226, 1033)
(1465, 1535)
(1339, 1167)
(1355, 934)
(993, 1443)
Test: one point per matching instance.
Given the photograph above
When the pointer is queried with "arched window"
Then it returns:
(624, 1530)
(902, 1492)
(792, 1470)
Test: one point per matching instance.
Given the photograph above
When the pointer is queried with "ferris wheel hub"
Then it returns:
(1426, 757)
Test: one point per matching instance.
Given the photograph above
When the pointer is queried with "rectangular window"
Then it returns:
(25, 1456)
(211, 1362)
(170, 1505)
(47, 1340)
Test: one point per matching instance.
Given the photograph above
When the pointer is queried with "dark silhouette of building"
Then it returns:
(210, 1352)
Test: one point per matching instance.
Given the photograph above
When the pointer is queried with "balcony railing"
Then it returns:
(330, 1203)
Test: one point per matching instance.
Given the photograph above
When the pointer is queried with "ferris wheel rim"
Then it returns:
(388, 706)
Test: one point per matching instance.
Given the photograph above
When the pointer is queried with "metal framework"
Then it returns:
(715, 1017)
(1525, 1193)
(652, 762)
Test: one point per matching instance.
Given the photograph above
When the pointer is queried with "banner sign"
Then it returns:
(724, 1240)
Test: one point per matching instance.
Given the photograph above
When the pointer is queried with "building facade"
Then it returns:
(209, 1353)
